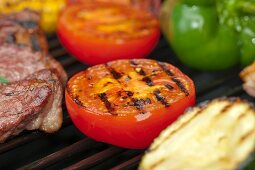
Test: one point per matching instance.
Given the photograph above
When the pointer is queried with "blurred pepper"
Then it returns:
(210, 34)
(47, 8)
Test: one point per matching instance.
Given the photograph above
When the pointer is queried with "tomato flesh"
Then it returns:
(128, 102)
(99, 32)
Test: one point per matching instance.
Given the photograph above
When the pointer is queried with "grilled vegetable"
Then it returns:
(209, 34)
(128, 102)
(218, 135)
(47, 8)
(101, 32)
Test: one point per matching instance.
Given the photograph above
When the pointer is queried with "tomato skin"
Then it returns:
(93, 50)
(126, 2)
(134, 131)
(98, 51)
(126, 132)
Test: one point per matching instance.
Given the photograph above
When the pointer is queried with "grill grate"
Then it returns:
(69, 149)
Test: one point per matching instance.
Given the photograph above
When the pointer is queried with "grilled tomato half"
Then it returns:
(128, 102)
(98, 32)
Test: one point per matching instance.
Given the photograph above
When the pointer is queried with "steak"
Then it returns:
(54, 64)
(23, 29)
(20, 103)
(52, 117)
(32, 96)
(32, 103)
(16, 63)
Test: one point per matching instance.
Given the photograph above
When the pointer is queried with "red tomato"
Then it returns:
(99, 32)
(125, 2)
(128, 102)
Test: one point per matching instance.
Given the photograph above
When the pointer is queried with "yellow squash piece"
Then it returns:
(48, 9)
(219, 135)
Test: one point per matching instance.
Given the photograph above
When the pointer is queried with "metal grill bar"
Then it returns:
(23, 139)
(54, 43)
(95, 159)
(58, 52)
(80, 146)
(215, 84)
(68, 62)
(19, 141)
(126, 164)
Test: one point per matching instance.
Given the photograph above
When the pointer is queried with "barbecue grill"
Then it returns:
(70, 149)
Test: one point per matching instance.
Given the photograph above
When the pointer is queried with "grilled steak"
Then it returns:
(32, 96)
(52, 117)
(20, 103)
(22, 29)
(16, 63)
(33, 103)
(52, 63)
(248, 76)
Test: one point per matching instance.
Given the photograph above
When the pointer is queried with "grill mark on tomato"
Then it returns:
(127, 78)
(129, 93)
(169, 87)
(160, 98)
(116, 75)
(35, 44)
(107, 83)
(165, 69)
(181, 86)
(148, 81)
(103, 97)
(77, 101)
(147, 101)
(138, 103)
(174, 79)
(140, 71)
(125, 94)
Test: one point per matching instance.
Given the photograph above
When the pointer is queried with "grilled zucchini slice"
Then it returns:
(217, 135)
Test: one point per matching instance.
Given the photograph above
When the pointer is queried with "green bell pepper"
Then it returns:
(210, 34)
